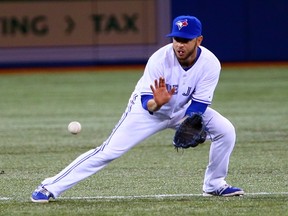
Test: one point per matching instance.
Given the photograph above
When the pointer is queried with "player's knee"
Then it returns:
(109, 155)
(228, 132)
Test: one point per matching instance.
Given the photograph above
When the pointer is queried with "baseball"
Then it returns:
(74, 127)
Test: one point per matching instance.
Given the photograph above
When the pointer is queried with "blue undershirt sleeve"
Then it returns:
(196, 107)
(144, 100)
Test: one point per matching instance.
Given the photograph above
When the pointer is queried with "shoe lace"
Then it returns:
(222, 189)
(44, 191)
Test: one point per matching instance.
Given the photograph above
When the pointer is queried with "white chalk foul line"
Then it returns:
(155, 196)
(134, 197)
(5, 198)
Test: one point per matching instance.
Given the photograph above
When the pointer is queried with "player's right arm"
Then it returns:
(152, 106)
(160, 97)
(153, 97)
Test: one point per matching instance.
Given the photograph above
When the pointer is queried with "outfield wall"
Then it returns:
(81, 32)
(96, 32)
(241, 30)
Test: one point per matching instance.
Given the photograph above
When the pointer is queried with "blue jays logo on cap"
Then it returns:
(181, 23)
(188, 27)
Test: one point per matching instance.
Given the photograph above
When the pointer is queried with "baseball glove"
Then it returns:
(190, 133)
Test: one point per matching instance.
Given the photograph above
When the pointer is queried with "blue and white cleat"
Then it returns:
(225, 191)
(41, 195)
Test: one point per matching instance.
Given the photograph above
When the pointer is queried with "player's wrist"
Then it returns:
(153, 106)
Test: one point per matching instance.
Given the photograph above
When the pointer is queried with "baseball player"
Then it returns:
(179, 79)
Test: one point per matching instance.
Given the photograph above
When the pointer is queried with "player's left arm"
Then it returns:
(202, 96)
(196, 107)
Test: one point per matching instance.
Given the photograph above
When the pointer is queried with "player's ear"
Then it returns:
(199, 40)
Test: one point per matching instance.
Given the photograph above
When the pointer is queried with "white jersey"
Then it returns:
(197, 83)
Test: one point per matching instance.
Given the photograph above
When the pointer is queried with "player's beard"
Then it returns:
(189, 57)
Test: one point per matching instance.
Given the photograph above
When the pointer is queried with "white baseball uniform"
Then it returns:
(136, 124)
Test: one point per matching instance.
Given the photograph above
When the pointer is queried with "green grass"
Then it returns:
(35, 144)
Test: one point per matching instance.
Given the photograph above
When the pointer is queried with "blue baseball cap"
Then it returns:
(188, 27)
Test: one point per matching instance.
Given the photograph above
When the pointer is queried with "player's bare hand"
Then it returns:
(160, 92)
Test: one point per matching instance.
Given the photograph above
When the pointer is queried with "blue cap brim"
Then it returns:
(182, 35)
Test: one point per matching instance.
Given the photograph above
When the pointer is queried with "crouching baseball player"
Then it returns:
(175, 92)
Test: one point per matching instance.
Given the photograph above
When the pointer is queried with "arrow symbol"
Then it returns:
(70, 25)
